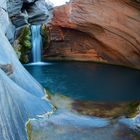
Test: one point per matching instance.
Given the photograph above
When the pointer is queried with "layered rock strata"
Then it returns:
(95, 30)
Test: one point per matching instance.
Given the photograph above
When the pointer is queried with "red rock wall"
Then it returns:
(97, 30)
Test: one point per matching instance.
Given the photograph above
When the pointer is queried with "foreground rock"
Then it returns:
(66, 124)
(17, 106)
(105, 31)
(20, 94)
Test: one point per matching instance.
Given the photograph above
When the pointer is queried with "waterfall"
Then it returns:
(20, 95)
(36, 43)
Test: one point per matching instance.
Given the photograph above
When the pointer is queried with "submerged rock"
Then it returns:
(110, 110)
(67, 124)
(106, 110)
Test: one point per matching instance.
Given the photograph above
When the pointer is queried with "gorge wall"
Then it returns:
(21, 96)
(23, 12)
(96, 30)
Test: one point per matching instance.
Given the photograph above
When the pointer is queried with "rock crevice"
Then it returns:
(22, 12)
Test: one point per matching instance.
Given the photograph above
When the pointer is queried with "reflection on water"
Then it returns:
(96, 101)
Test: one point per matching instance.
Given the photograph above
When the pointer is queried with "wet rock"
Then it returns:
(98, 109)
(107, 110)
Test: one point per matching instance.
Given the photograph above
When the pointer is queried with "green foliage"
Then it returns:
(25, 44)
(44, 33)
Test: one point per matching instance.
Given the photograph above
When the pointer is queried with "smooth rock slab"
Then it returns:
(69, 126)
(16, 107)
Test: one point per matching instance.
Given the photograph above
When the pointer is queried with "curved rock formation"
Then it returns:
(20, 93)
(97, 30)
(16, 107)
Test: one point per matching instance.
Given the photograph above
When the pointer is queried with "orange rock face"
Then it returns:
(97, 30)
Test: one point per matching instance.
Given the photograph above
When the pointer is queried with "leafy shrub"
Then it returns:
(25, 44)
(44, 33)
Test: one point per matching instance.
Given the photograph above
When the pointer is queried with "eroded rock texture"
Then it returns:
(20, 94)
(97, 30)
(22, 12)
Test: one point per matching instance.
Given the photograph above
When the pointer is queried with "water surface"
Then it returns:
(89, 81)
(87, 97)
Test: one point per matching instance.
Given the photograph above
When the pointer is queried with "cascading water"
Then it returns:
(36, 43)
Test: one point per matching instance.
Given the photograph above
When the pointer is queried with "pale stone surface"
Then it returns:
(20, 94)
